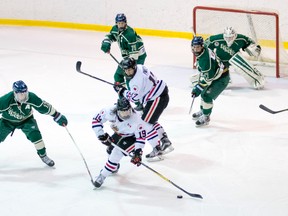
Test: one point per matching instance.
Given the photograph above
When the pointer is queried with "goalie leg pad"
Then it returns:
(249, 73)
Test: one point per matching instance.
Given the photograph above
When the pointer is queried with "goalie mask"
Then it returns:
(197, 45)
(229, 35)
(121, 22)
(20, 90)
(124, 109)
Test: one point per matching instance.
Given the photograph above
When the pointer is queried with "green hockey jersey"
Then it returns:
(225, 53)
(208, 65)
(15, 112)
(130, 44)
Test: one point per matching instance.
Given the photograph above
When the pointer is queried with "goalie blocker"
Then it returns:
(250, 74)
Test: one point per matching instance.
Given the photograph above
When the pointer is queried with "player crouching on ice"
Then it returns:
(227, 47)
(213, 79)
(16, 109)
(130, 133)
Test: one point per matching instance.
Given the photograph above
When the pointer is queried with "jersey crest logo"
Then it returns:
(216, 43)
(135, 88)
(27, 107)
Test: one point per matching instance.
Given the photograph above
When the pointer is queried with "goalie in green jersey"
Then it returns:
(130, 44)
(213, 79)
(227, 47)
(16, 109)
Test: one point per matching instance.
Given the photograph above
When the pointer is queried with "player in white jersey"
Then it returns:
(152, 93)
(130, 133)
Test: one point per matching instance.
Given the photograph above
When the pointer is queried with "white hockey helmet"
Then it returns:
(229, 35)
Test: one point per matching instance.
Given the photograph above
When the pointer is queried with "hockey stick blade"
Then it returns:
(159, 174)
(78, 66)
(261, 106)
(78, 69)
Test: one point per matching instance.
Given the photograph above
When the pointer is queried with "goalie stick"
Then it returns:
(160, 175)
(271, 111)
(78, 69)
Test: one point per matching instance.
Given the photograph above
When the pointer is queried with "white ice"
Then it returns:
(238, 163)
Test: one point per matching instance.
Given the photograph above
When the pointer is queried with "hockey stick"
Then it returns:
(191, 104)
(78, 69)
(115, 60)
(271, 111)
(80, 154)
(160, 175)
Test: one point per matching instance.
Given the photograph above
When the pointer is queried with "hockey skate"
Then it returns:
(47, 160)
(202, 121)
(155, 155)
(197, 115)
(99, 181)
(166, 146)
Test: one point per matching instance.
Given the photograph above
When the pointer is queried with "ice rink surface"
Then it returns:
(238, 163)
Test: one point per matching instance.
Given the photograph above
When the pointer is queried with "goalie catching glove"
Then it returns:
(253, 50)
(105, 139)
(137, 157)
(60, 119)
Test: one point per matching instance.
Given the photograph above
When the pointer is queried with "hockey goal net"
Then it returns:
(261, 26)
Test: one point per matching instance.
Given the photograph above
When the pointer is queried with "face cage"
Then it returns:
(21, 97)
(229, 40)
(124, 114)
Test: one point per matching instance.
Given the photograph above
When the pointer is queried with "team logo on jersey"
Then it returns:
(135, 88)
(140, 127)
(216, 43)
(27, 107)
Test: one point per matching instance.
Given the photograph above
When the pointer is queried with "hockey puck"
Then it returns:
(179, 196)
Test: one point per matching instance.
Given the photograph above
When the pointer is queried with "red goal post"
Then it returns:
(261, 26)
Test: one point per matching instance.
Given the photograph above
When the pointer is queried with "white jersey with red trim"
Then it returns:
(144, 86)
(134, 125)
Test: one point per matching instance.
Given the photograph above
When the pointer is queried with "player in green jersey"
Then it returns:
(16, 109)
(130, 44)
(213, 79)
(228, 47)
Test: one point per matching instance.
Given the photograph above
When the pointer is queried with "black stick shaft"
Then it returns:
(78, 68)
(191, 104)
(87, 168)
(160, 175)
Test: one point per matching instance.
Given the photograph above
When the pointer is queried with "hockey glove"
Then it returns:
(109, 149)
(119, 89)
(137, 157)
(60, 119)
(196, 91)
(105, 46)
(105, 139)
